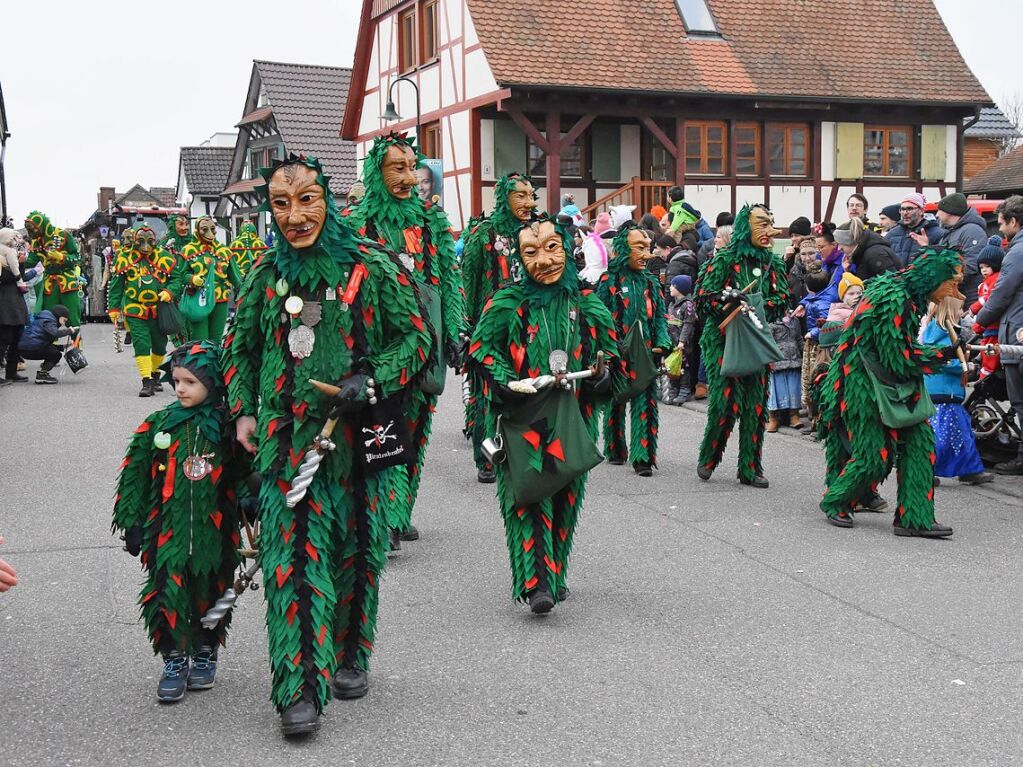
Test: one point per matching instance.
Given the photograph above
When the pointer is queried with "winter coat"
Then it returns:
(946, 383)
(789, 337)
(12, 304)
(816, 306)
(983, 294)
(797, 283)
(681, 261)
(1005, 304)
(968, 236)
(905, 247)
(682, 321)
(873, 257)
(42, 331)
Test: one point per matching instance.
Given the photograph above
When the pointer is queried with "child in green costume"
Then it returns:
(392, 214)
(177, 508)
(632, 294)
(520, 328)
(246, 248)
(321, 304)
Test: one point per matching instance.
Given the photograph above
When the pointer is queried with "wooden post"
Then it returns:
(553, 164)
(680, 152)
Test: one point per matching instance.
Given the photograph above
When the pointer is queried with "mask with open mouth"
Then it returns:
(761, 224)
(398, 170)
(298, 203)
(206, 230)
(639, 249)
(542, 250)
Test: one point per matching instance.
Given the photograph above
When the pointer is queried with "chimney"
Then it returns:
(105, 197)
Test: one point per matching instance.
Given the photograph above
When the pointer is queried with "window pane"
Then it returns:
(696, 16)
(745, 134)
(797, 137)
(537, 161)
(777, 166)
(745, 166)
(715, 166)
(693, 165)
(713, 133)
(430, 31)
(898, 138)
(797, 168)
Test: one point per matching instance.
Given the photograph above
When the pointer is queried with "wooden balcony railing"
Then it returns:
(643, 194)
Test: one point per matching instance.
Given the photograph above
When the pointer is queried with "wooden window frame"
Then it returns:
(536, 155)
(758, 142)
(886, 149)
(704, 158)
(430, 140)
(421, 16)
(787, 130)
(408, 50)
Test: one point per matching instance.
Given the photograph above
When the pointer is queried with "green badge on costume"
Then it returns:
(282, 287)
(161, 440)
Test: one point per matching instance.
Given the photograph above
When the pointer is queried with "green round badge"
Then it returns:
(162, 440)
(282, 287)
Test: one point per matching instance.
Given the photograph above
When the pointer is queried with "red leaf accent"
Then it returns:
(217, 517)
(556, 450)
(290, 615)
(283, 575)
(311, 551)
(162, 538)
(143, 427)
(533, 438)
(172, 617)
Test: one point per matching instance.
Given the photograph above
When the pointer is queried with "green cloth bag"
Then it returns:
(169, 320)
(895, 399)
(639, 363)
(547, 445)
(192, 306)
(673, 363)
(436, 375)
(749, 349)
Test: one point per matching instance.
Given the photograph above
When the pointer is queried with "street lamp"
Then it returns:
(390, 113)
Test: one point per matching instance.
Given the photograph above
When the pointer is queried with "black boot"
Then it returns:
(642, 468)
(704, 472)
(146, 390)
(154, 384)
(300, 718)
(758, 481)
(486, 475)
(936, 531)
(395, 540)
(412, 534)
(540, 601)
(350, 683)
(1013, 467)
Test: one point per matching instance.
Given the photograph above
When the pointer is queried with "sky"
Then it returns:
(102, 93)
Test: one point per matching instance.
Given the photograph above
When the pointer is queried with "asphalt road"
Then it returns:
(709, 623)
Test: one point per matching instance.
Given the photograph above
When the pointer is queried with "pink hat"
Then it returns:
(915, 198)
(602, 224)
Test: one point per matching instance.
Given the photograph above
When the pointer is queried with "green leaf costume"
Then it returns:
(880, 344)
(519, 328)
(323, 558)
(189, 524)
(421, 233)
(57, 251)
(246, 248)
(730, 398)
(489, 263)
(632, 295)
(134, 293)
(199, 263)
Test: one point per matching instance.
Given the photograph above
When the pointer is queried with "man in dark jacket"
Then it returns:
(682, 260)
(914, 231)
(1005, 306)
(868, 253)
(37, 340)
(965, 231)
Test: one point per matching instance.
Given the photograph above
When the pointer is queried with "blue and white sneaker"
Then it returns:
(174, 678)
(203, 672)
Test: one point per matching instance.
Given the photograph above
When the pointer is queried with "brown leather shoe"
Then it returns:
(700, 392)
(772, 424)
(794, 422)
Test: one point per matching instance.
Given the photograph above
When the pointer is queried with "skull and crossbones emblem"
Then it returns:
(380, 434)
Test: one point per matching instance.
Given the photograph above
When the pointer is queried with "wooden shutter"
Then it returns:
(933, 152)
(848, 150)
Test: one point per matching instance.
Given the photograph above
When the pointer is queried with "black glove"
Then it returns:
(598, 384)
(457, 354)
(133, 540)
(355, 392)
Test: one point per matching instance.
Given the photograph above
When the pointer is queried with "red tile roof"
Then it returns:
(885, 50)
(1003, 175)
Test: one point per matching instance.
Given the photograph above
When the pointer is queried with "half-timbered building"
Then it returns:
(796, 103)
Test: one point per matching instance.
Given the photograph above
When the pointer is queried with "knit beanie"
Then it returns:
(683, 283)
(801, 226)
(848, 280)
(915, 198)
(892, 211)
(59, 311)
(954, 204)
(991, 255)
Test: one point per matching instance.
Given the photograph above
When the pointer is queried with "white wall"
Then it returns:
(709, 199)
(791, 202)
(827, 150)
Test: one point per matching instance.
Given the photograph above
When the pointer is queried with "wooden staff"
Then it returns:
(735, 312)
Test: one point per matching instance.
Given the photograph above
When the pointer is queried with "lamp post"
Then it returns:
(390, 113)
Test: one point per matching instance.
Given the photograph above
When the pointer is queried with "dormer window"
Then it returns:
(697, 17)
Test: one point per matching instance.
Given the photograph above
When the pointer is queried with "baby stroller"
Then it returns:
(994, 424)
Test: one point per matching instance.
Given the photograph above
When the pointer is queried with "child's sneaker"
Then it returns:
(44, 377)
(203, 670)
(173, 681)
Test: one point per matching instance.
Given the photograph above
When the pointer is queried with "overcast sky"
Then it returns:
(103, 93)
